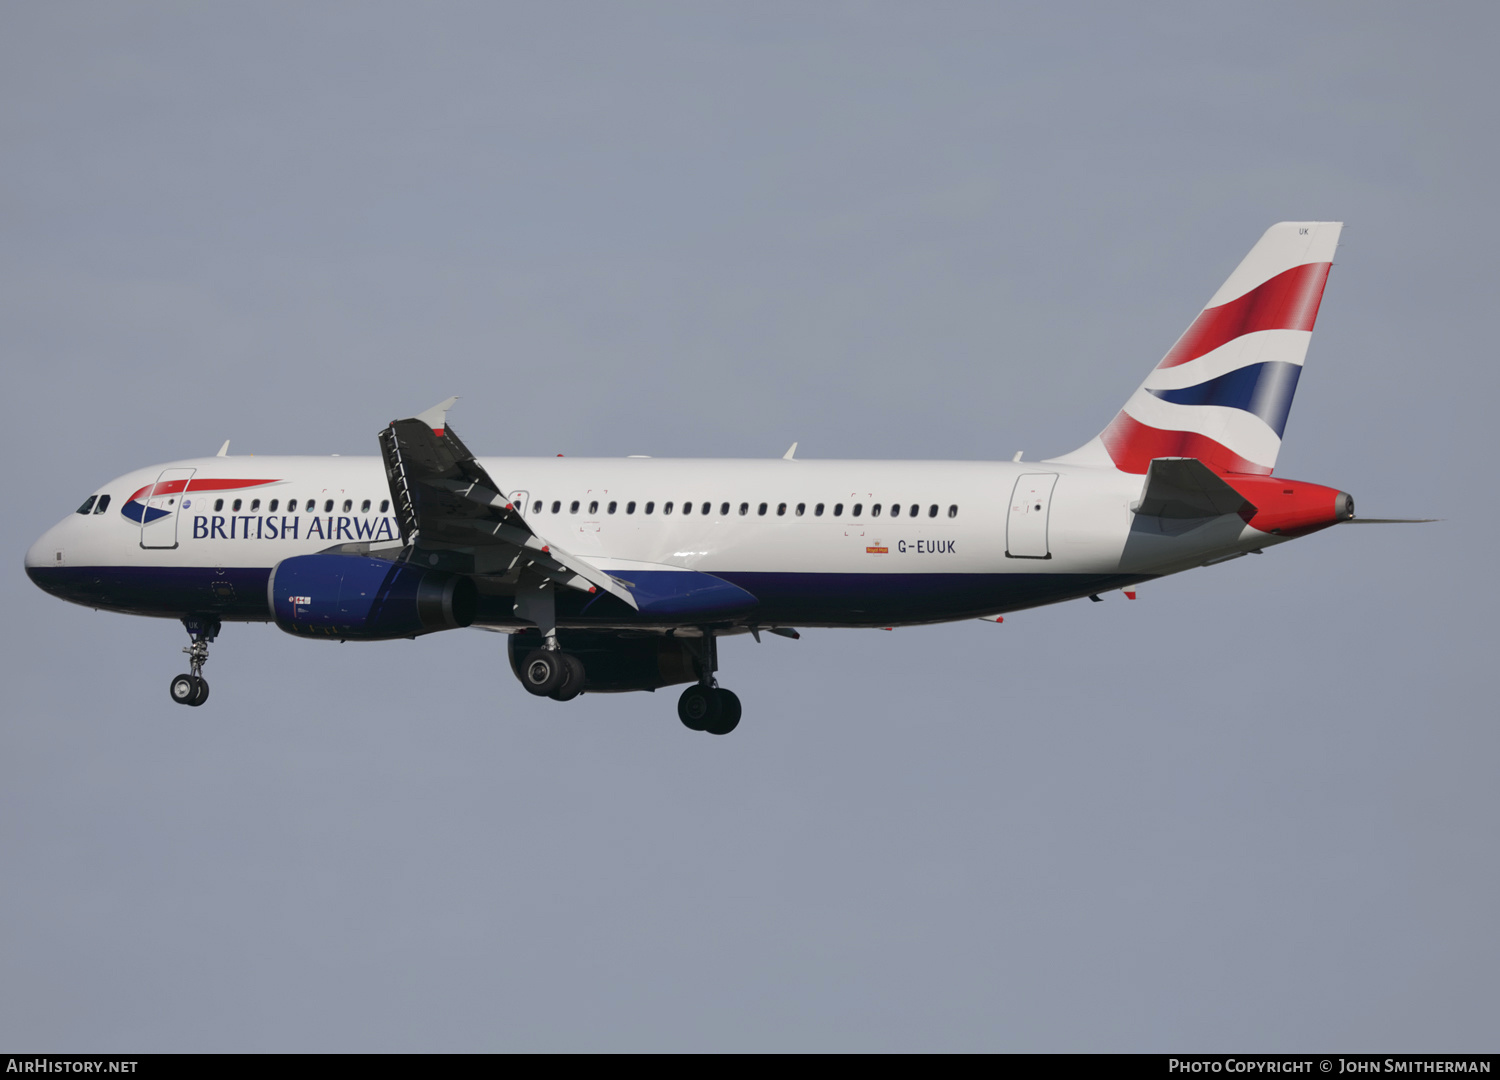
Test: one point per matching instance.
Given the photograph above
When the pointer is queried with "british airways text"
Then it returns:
(291, 527)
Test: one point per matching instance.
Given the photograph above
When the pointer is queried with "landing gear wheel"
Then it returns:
(729, 713)
(543, 671)
(698, 707)
(202, 691)
(572, 683)
(184, 690)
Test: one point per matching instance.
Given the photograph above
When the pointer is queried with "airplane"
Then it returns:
(621, 574)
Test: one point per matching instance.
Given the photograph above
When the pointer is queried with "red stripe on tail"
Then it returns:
(1132, 445)
(1288, 301)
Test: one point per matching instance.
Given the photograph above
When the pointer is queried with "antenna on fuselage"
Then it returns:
(791, 454)
(223, 450)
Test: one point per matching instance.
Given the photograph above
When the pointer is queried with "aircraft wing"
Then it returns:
(446, 503)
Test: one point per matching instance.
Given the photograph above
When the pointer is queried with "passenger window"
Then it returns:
(327, 506)
(818, 510)
(348, 505)
(385, 504)
(895, 509)
(650, 506)
(364, 507)
(310, 506)
(781, 509)
(536, 507)
(593, 508)
(932, 510)
(875, 510)
(801, 509)
(291, 506)
(218, 505)
(237, 504)
(709, 506)
(254, 505)
(102, 505)
(838, 509)
(858, 507)
(953, 511)
(687, 508)
(88, 505)
(744, 509)
(762, 510)
(667, 509)
(630, 507)
(613, 506)
(573, 507)
(556, 506)
(274, 504)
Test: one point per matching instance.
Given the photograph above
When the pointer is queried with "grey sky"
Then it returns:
(1255, 808)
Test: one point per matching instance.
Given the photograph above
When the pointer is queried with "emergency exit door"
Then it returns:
(1026, 525)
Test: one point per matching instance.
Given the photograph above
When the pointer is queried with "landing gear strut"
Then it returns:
(707, 706)
(193, 689)
(548, 671)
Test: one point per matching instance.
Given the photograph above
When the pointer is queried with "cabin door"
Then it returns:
(1026, 526)
(161, 505)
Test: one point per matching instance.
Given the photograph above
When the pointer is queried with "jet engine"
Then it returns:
(356, 598)
(612, 662)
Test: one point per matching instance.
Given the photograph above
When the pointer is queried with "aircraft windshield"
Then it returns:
(88, 505)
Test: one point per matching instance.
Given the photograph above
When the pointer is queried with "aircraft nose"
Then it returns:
(47, 552)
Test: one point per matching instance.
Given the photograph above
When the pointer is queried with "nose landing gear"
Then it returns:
(193, 689)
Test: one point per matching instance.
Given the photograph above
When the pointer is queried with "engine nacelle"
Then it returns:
(352, 597)
(612, 663)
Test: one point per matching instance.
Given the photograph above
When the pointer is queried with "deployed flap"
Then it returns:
(686, 593)
(1187, 488)
(443, 498)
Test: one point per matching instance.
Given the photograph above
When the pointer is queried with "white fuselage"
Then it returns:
(924, 541)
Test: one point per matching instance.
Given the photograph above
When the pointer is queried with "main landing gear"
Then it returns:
(550, 672)
(708, 706)
(193, 689)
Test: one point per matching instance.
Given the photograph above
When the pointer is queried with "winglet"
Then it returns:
(223, 450)
(437, 417)
(791, 454)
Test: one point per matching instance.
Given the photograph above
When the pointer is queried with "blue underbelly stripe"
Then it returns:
(780, 598)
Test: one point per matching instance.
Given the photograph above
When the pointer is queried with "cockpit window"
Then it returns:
(88, 505)
(102, 505)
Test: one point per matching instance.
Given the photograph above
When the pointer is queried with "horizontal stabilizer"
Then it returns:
(1185, 488)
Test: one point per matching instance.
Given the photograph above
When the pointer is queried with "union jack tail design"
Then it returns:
(1222, 393)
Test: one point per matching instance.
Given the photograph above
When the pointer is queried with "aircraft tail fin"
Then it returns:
(1223, 391)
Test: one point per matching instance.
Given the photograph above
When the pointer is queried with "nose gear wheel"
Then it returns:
(192, 689)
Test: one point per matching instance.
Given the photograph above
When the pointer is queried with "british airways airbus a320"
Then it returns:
(621, 574)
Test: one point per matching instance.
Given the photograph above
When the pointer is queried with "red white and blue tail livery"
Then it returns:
(1223, 391)
(618, 574)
